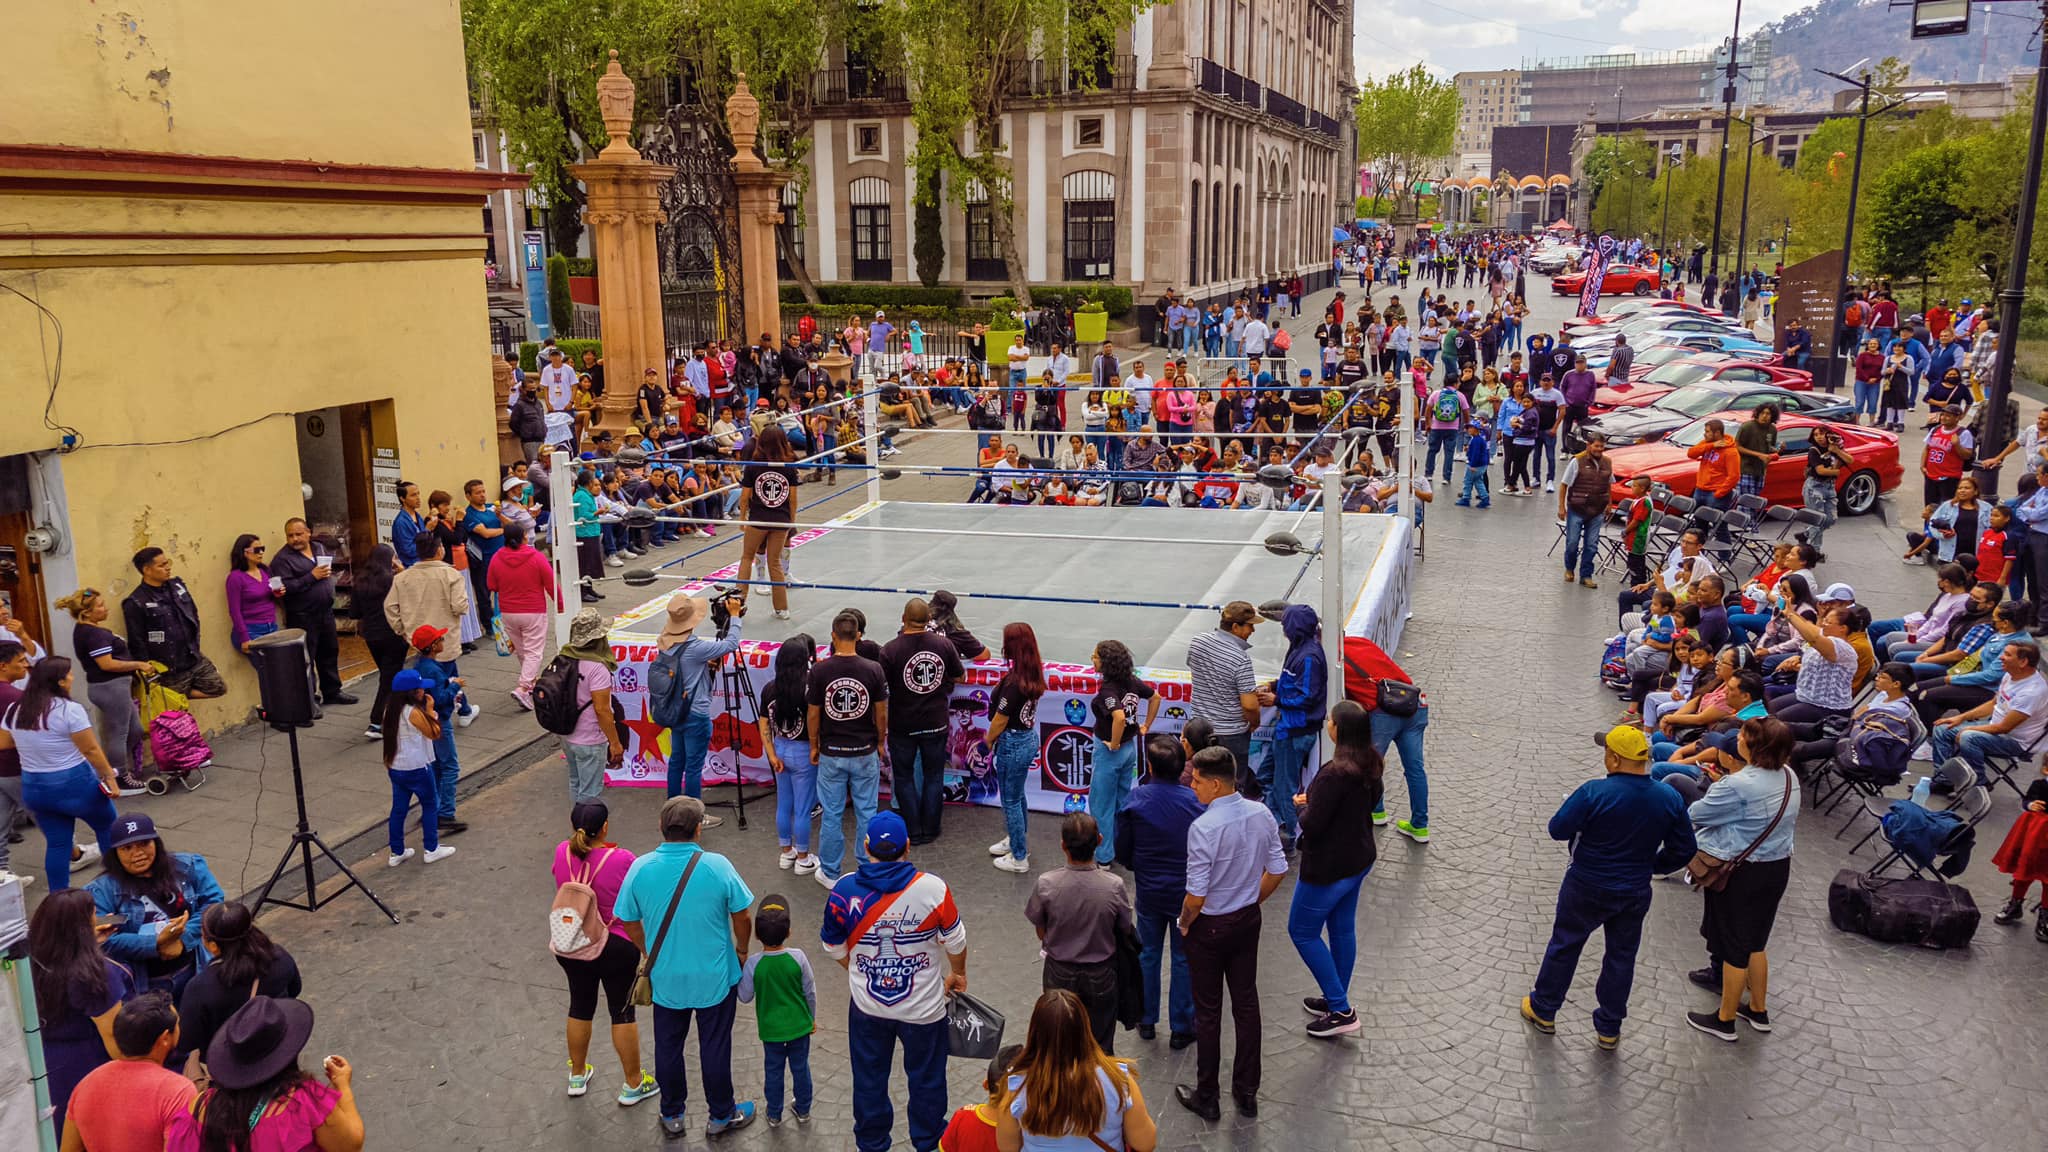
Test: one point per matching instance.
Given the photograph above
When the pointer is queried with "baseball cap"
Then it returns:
(132, 829)
(408, 680)
(1628, 742)
(887, 830)
(1304, 373)
(426, 636)
(1840, 593)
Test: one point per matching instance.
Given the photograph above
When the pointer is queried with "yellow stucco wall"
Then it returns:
(199, 348)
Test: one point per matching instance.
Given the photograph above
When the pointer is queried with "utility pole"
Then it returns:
(1835, 361)
(1996, 431)
(1742, 241)
(1727, 114)
(1664, 229)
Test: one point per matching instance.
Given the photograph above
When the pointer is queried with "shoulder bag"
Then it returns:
(1709, 873)
(643, 984)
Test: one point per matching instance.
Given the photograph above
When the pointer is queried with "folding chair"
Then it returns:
(1664, 535)
(1678, 505)
(1613, 554)
(1753, 504)
(1955, 770)
(1973, 803)
(2001, 769)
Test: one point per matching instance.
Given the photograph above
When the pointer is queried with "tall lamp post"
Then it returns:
(1727, 115)
(1742, 229)
(1664, 229)
(1863, 115)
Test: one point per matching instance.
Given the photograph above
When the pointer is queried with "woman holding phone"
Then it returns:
(109, 684)
(65, 776)
(163, 895)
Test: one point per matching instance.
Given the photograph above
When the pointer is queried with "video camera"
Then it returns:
(722, 611)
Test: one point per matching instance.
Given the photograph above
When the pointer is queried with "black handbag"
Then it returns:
(1398, 698)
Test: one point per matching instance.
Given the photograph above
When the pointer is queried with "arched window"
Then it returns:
(873, 253)
(1090, 203)
(984, 255)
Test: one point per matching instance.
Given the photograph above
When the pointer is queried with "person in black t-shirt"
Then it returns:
(109, 676)
(1270, 412)
(1305, 403)
(848, 702)
(946, 621)
(652, 399)
(1118, 736)
(770, 495)
(1013, 739)
(922, 668)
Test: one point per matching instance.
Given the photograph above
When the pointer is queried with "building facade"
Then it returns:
(267, 266)
(1486, 100)
(1214, 149)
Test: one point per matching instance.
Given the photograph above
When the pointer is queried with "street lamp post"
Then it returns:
(1835, 360)
(2009, 298)
(1742, 237)
(1727, 114)
(1664, 229)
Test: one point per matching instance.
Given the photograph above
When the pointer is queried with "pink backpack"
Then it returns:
(576, 928)
(175, 741)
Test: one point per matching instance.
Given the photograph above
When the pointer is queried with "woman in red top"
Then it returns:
(1869, 365)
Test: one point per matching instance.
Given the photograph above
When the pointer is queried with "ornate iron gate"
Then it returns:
(699, 247)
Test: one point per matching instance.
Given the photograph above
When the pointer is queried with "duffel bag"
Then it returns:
(1929, 913)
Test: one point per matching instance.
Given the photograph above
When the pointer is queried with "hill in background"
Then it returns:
(1835, 34)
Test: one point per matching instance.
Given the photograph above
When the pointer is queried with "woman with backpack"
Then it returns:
(785, 729)
(410, 729)
(588, 871)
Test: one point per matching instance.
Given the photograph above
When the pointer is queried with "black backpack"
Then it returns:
(554, 697)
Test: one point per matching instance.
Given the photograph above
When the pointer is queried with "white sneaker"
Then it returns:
(465, 719)
(441, 853)
(824, 881)
(710, 821)
(787, 859)
(806, 864)
(1009, 863)
(399, 858)
(373, 732)
(614, 561)
(1000, 847)
(782, 614)
(1550, 487)
(88, 855)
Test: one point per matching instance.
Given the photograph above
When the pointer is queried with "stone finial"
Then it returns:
(743, 117)
(615, 105)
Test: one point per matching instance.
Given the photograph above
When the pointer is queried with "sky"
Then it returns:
(1481, 35)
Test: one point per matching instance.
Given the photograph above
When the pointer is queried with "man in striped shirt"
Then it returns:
(1226, 692)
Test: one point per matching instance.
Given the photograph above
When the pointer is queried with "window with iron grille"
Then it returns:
(873, 254)
(1090, 211)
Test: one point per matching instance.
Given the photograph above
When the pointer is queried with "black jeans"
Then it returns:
(1223, 951)
(1095, 985)
(918, 801)
(322, 648)
(714, 1054)
(389, 653)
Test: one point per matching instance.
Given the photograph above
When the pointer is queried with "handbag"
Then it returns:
(1709, 873)
(1399, 698)
(643, 984)
(974, 1030)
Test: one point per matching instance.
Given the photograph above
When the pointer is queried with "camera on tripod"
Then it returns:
(722, 611)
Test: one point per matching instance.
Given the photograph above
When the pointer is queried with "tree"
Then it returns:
(561, 305)
(1405, 122)
(1978, 255)
(1913, 211)
(1618, 174)
(967, 60)
(930, 250)
(533, 69)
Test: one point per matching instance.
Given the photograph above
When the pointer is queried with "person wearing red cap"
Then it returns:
(442, 685)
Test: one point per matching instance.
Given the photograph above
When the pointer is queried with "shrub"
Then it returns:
(873, 296)
(582, 266)
(561, 305)
(573, 350)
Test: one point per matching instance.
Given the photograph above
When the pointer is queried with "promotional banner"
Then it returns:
(1598, 255)
(1062, 719)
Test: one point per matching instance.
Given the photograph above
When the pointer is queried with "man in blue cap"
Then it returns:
(890, 926)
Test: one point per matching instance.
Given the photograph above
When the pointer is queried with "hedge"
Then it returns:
(572, 350)
(831, 318)
(582, 266)
(884, 296)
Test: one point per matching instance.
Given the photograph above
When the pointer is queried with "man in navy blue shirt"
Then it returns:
(1623, 829)
(1152, 841)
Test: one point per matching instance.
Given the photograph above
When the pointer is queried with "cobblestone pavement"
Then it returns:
(453, 1019)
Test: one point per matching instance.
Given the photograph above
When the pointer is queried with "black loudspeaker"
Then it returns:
(284, 676)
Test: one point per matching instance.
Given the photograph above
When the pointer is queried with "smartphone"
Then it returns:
(111, 791)
(112, 920)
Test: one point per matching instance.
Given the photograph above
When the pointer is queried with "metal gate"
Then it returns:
(699, 248)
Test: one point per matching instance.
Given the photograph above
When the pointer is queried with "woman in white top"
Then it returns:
(1065, 1095)
(410, 730)
(65, 776)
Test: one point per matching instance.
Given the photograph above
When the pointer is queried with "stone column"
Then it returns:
(759, 187)
(623, 207)
(501, 388)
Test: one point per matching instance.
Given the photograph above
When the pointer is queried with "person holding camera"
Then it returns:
(691, 742)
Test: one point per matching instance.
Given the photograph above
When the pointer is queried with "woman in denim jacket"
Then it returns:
(163, 894)
(1742, 801)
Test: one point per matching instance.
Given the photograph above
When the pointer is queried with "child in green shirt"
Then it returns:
(778, 982)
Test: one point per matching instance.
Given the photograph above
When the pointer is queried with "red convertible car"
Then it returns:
(1621, 280)
(1676, 374)
(1875, 456)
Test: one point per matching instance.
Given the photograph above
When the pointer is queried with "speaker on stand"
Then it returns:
(284, 676)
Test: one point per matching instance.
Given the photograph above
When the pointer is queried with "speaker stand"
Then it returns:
(304, 842)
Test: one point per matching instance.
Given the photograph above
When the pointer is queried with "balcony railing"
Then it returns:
(1048, 78)
(841, 86)
(1217, 80)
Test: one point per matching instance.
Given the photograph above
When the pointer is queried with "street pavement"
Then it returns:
(453, 1018)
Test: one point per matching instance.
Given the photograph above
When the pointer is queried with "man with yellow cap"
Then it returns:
(1623, 829)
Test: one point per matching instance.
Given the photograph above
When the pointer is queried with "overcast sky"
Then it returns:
(1479, 35)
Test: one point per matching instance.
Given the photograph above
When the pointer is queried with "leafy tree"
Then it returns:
(561, 305)
(1618, 175)
(1978, 254)
(1913, 210)
(1406, 122)
(930, 250)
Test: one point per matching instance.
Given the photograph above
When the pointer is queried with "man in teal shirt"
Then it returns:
(696, 970)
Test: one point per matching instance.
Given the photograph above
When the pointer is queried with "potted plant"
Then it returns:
(1003, 329)
(1091, 323)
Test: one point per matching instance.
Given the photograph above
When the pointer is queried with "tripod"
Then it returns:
(736, 687)
(304, 841)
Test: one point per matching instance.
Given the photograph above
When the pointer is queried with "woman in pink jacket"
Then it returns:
(524, 583)
(1181, 402)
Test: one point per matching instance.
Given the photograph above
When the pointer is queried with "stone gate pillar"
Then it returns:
(759, 187)
(624, 205)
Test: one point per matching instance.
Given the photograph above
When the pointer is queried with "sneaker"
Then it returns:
(465, 719)
(523, 699)
(824, 881)
(632, 1094)
(806, 865)
(1000, 847)
(802, 1117)
(398, 858)
(441, 853)
(787, 859)
(613, 561)
(710, 821)
(1550, 486)
(1706, 978)
(1712, 1025)
(1333, 1024)
(1315, 1005)
(1759, 1021)
(774, 1121)
(1379, 819)
(579, 1082)
(1009, 863)
(742, 1115)
(1415, 832)
(88, 855)
(374, 732)
(1485, 504)
(1607, 1043)
(673, 1126)
(782, 614)
(1462, 503)
(126, 785)
(1547, 1027)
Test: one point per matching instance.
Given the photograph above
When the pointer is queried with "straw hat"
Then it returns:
(684, 614)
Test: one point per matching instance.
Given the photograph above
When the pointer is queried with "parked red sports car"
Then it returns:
(1621, 280)
(1678, 373)
(1875, 455)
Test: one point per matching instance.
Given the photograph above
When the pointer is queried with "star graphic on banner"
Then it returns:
(651, 735)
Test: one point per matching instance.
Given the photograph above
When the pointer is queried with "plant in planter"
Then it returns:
(1091, 323)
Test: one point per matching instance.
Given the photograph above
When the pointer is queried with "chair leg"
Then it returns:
(1875, 828)
(1878, 868)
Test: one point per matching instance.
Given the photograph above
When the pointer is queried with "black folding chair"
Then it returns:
(1973, 804)
(1955, 772)
(1678, 505)
(2000, 769)
(1753, 504)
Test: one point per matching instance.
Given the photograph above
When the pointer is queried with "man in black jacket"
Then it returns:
(309, 604)
(163, 625)
(528, 420)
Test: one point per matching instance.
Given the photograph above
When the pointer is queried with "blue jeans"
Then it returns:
(1581, 908)
(1286, 761)
(841, 778)
(714, 1054)
(1016, 749)
(688, 745)
(57, 800)
(1747, 626)
(1446, 439)
(1974, 747)
(1108, 784)
(1546, 455)
(1180, 999)
(418, 782)
(1404, 735)
(447, 769)
(1333, 908)
(796, 1054)
(871, 1042)
(1866, 393)
(796, 789)
(1581, 543)
(1475, 482)
(1883, 635)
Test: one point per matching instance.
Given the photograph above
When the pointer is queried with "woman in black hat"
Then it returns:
(246, 963)
(259, 1099)
(163, 894)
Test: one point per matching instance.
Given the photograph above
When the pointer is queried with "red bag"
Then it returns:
(175, 741)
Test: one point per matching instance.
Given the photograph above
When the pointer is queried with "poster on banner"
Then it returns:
(1066, 738)
(1601, 254)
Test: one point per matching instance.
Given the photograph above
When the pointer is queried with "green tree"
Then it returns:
(561, 305)
(929, 252)
(1913, 210)
(1406, 122)
(967, 62)
(1618, 178)
(1978, 255)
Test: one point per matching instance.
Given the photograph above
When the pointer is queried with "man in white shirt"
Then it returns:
(1255, 335)
(1060, 365)
(1140, 386)
(557, 381)
(2013, 719)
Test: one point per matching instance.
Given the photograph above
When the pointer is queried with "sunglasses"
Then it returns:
(256, 548)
